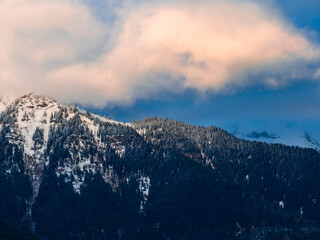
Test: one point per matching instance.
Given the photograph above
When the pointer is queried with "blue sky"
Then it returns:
(303, 13)
(297, 103)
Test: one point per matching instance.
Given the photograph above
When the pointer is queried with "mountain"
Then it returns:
(69, 174)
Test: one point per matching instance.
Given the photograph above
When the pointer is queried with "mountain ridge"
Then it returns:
(77, 175)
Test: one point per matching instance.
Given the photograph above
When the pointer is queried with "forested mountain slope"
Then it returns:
(69, 174)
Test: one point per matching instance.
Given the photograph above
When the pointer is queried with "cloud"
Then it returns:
(60, 48)
(41, 36)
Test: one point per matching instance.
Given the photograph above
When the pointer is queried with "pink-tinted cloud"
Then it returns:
(154, 47)
(40, 36)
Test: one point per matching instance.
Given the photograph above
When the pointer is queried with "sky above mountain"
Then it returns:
(229, 63)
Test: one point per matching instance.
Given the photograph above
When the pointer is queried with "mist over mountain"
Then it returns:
(66, 173)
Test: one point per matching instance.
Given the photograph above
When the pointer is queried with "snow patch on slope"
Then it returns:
(144, 187)
(103, 119)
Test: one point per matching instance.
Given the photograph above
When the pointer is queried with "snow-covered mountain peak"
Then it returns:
(35, 104)
(34, 112)
(29, 120)
(28, 102)
(35, 101)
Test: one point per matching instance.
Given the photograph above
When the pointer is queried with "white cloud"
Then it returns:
(47, 45)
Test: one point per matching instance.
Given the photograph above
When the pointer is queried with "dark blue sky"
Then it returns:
(296, 103)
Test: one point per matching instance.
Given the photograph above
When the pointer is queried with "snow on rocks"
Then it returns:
(144, 187)
(30, 114)
(281, 204)
(31, 118)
